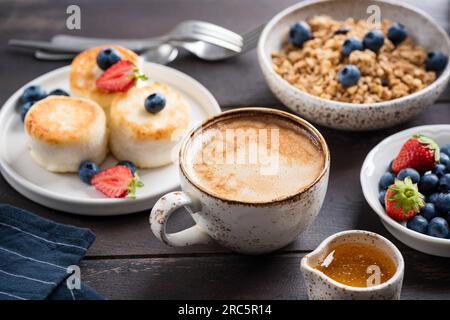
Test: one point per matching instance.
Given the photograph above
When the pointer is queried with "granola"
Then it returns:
(393, 72)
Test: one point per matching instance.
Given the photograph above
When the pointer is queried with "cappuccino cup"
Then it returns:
(252, 179)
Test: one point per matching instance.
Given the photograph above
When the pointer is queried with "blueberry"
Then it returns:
(433, 198)
(409, 172)
(442, 202)
(107, 57)
(436, 61)
(428, 211)
(446, 149)
(299, 33)
(87, 170)
(397, 33)
(381, 197)
(349, 75)
(128, 164)
(418, 224)
(440, 170)
(444, 183)
(33, 93)
(447, 217)
(25, 108)
(444, 159)
(343, 30)
(373, 40)
(428, 184)
(351, 44)
(155, 103)
(58, 92)
(386, 180)
(438, 227)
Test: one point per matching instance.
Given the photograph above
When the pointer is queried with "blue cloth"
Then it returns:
(35, 254)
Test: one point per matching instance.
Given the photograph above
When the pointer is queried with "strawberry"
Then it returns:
(121, 76)
(403, 200)
(117, 182)
(419, 152)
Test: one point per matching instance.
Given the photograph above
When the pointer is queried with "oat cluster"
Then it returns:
(393, 72)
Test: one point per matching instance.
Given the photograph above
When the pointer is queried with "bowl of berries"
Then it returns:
(406, 181)
(339, 66)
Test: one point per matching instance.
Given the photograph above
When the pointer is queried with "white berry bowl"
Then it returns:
(352, 116)
(376, 164)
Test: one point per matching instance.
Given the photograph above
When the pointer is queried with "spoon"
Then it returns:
(162, 54)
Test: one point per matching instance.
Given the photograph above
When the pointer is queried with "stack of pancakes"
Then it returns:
(65, 131)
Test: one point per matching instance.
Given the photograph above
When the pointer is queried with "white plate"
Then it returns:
(373, 168)
(66, 192)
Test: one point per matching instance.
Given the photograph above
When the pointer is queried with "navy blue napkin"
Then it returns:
(35, 254)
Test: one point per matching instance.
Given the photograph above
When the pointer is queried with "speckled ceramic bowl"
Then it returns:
(349, 116)
(373, 168)
(321, 287)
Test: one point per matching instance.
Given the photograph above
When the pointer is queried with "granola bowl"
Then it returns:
(364, 114)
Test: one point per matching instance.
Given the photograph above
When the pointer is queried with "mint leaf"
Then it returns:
(138, 75)
(134, 184)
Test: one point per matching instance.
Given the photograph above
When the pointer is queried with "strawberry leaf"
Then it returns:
(134, 184)
(138, 75)
(406, 195)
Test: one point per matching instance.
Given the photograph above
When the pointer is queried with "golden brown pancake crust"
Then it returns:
(128, 111)
(84, 72)
(60, 119)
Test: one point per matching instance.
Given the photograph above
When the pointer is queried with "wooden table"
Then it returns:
(127, 261)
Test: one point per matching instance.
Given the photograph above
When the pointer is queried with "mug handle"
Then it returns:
(160, 214)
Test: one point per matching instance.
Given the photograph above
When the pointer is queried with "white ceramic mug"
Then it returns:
(251, 228)
(321, 287)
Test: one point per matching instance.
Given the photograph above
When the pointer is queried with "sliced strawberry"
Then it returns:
(403, 200)
(120, 77)
(117, 182)
(113, 182)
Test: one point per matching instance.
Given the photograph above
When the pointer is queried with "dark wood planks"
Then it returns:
(274, 276)
(222, 277)
(126, 261)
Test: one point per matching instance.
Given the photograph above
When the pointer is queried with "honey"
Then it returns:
(358, 265)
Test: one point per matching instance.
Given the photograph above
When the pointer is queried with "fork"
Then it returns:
(203, 50)
(191, 30)
(210, 52)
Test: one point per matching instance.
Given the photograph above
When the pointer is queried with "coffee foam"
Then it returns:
(257, 159)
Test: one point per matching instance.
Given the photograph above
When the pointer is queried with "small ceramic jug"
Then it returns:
(321, 287)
